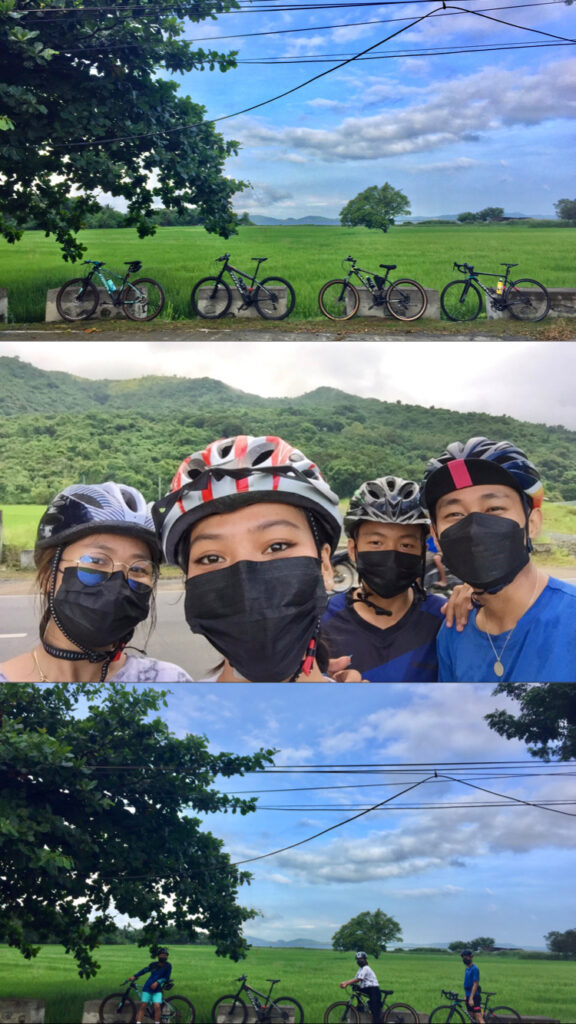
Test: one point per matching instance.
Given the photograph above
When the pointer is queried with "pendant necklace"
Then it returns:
(498, 667)
(43, 678)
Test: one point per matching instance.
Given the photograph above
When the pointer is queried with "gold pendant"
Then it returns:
(498, 668)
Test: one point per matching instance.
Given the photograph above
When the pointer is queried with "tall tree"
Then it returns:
(375, 207)
(85, 110)
(95, 821)
(562, 942)
(546, 719)
(369, 931)
(566, 209)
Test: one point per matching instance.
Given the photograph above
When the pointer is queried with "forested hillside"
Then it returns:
(58, 429)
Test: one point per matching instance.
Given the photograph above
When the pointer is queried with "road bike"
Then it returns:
(273, 297)
(139, 300)
(404, 299)
(348, 1012)
(458, 1013)
(233, 1009)
(525, 299)
(120, 1008)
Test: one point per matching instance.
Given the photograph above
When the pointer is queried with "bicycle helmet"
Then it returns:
(481, 461)
(82, 509)
(389, 499)
(361, 956)
(238, 471)
(466, 952)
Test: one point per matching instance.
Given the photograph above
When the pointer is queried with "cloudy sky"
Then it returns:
(486, 125)
(448, 868)
(531, 381)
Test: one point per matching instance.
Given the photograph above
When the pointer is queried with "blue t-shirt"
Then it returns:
(158, 972)
(471, 975)
(541, 648)
(405, 652)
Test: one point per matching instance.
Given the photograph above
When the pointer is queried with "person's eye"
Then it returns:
(495, 508)
(278, 546)
(99, 560)
(208, 560)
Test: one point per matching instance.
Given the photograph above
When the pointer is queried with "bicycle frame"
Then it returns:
(254, 995)
(474, 276)
(245, 291)
(115, 292)
(369, 282)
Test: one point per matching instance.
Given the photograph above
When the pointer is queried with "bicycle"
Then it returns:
(348, 1012)
(140, 300)
(211, 297)
(453, 1013)
(526, 299)
(404, 299)
(119, 1008)
(233, 1009)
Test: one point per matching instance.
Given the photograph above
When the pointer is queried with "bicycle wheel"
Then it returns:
(446, 1014)
(269, 298)
(77, 299)
(284, 1010)
(527, 299)
(142, 299)
(461, 300)
(341, 1013)
(400, 1013)
(500, 1015)
(117, 1009)
(338, 300)
(181, 1010)
(211, 298)
(230, 1009)
(406, 299)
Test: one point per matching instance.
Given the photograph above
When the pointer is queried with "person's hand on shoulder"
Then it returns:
(458, 606)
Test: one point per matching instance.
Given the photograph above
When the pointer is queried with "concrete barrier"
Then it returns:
(251, 1018)
(22, 1011)
(90, 1012)
(563, 303)
(104, 311)
(367, 307)
(3, 306)
(237, 308)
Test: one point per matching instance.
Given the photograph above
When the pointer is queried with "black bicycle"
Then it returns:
(525, 298)
(139, 300)
(404, 299)
(120, 1008)
(233, 1009)
(348, 1012)
(458, 1013)
(273, 297)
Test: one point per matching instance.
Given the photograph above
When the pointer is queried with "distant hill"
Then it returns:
(291, 222)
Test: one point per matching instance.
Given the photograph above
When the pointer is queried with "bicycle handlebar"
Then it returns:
(243, 977)
(349, 259)
(463, 268)
(220, 259)
(450, 995)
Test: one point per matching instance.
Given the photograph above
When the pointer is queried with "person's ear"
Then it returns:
(534, 523)
(352, 549)
(326, 564)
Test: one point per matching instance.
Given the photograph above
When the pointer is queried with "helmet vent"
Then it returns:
(263, 456)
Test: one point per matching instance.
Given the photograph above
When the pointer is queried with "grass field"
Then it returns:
(307, 256)
(310, 976)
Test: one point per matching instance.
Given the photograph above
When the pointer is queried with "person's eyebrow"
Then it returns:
(267, 524)
(101, 545)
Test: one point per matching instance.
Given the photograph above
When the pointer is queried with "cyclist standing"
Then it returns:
(159, 971)
(368, 982)
(472, 990)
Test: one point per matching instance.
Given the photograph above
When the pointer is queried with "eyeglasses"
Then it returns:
(92, 569)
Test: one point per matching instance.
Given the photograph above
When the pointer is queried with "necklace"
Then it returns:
(43, 678)
(498, 667)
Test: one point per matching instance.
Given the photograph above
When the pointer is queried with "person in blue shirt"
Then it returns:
(388, 624)
(484, 498)
(159, 971)
(472, 990)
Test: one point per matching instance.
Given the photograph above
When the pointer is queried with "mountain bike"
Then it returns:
(273, 297)
(525, 299)
(119, 1008)
(459, 1013)
(139, 300)
(233, 1009)
(404, 299)
(349, 1012)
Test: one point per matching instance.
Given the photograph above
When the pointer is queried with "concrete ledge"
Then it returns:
(225, 1018)
(563, 303)
(104, 310)
(367, 307)
(3, 306)
(90, 1013)
(22, 1011)
(237, 308)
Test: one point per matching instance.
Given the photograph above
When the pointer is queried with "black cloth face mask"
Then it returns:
(259, 615)
(388, 573)
(485, 551)
(98, 615)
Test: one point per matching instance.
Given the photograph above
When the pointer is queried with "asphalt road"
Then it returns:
(101, 330)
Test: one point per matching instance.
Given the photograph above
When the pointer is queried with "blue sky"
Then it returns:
(454, 132)
(442, 873)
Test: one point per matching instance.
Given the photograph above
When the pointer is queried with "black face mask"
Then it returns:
(259, 615)
(388, 573)
(485, 551)
(99, 615)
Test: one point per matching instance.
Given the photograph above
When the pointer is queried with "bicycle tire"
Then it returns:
(406, 299)
(399, 1013)
(81, 302)
(214, 305)
(184, 1011)
(500, 1014)
(108, 1010)
(527, 307)
(237, 1013)
(269, 304)
(341, 1013)
(445, 1015)
(464, 302)
(338, 299)
(278, 1011)
(150, 308)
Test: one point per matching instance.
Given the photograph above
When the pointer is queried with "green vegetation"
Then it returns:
(309, 975)
(370, 931)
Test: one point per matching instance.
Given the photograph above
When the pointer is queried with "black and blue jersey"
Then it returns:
(158, 972)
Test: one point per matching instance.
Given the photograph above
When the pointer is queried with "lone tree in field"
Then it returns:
(369, 931)
(546, 719)
(375, 207)
(566, 209)
(97, 819)
(87, 109)
(563, 943)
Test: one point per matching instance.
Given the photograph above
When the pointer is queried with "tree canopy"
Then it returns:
(375, 207)
(546, 719)
(488, 215)
(563, 943)
(86, 112)
(566, 209)
(483, 943)
(89, 799)
(370, 931)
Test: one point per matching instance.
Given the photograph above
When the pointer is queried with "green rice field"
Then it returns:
(307, 256)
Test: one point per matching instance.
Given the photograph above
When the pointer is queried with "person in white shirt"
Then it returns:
(368, 982)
